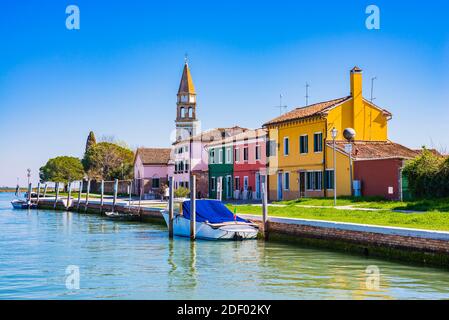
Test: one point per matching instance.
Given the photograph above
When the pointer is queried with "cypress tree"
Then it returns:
(91, 141)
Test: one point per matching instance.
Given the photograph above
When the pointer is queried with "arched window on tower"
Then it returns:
(190, 112)
(183, 112)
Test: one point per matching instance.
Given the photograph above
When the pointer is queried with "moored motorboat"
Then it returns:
(213, 222)
(22, 204)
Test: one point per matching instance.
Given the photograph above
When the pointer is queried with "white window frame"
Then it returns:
(286, 154)
(214, 183)
(220, 156)
(245, 182)
(236, 155)
(312, 172)
(237, 178)
(229, 155)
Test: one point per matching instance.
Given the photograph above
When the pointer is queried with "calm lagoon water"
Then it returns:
(120, 260)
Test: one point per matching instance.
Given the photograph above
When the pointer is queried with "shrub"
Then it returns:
(428, 175)
(182, 192)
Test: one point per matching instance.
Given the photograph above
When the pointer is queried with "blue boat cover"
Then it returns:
(212, 211)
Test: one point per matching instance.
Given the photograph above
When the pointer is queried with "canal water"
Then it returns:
(42, 251)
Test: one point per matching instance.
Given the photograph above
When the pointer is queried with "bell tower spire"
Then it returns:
(186, 121)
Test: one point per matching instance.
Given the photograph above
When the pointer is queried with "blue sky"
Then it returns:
(118, 75)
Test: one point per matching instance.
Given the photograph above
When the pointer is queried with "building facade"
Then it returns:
(300, 158)
(239, 164)
(152, 168)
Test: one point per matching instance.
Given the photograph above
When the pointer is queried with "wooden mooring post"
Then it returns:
(56, 195)
(69, 195)
(79, 195)
(192, 207)
(219, 188)
(87, 195)
(265, 208)
(140, 197)
(102, 196)
(171, 200)
(30, 188)
(45, 190)
(115, 194)
(38, 192)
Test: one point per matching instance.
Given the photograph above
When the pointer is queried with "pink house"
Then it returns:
(152, 167)
(195, 150)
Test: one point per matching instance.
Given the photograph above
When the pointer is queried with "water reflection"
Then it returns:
(138, 261)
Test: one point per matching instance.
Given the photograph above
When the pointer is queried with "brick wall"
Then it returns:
(361, 237)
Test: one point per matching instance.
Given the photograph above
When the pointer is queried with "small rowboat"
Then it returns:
(213, 222)
(122, 216)
(22, 204)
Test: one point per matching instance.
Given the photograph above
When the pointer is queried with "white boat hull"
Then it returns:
(21, 204)
(230, 231)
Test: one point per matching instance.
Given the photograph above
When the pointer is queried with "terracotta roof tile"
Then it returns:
(249, 134)
(154, 156)
(215, 134)
(305, 112)
(364, 150)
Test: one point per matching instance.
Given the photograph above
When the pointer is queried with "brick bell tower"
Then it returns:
(186, 122)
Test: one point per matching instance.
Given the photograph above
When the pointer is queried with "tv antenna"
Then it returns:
(281, 106)
(372, 88)
(307, 94)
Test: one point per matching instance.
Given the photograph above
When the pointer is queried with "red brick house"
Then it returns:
(378, 166)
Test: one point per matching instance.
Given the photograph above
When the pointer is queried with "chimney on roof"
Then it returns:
(356, 82)
(357, 100)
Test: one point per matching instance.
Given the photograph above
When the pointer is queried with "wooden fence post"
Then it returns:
(87, 195)
(265, 208)
(140, 196)
(192, 207)
(56, 195)
(219, 188)
(114, 200)
(102, 196)
(38, 193)
(170, 207)
(79, 195)
(69, 195)
(30, 188)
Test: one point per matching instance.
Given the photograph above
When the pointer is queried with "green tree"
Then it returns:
(108, 161)
(62, 169)
(91, 141)
(424, 174)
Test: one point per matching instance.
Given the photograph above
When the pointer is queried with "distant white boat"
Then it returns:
(213, 222)
(22, 204)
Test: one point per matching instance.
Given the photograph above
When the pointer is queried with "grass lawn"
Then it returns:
(73, 195)
(441, 205)
(430, 220)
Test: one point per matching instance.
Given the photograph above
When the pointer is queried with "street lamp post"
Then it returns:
(29, 175)
(334, 133)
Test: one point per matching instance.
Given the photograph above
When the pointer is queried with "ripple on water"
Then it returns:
(138, 261)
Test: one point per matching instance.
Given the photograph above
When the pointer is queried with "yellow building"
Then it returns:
(300, 146)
